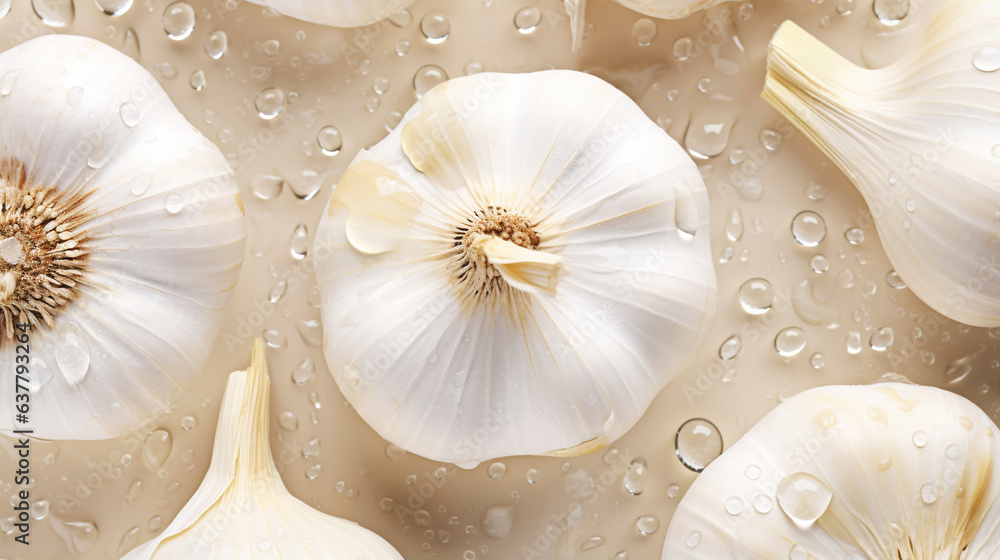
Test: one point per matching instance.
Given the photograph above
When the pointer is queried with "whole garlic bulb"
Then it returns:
(890, 470)
(518, 268)
(920, 139)
(242, 509)
(337, 13)
(122, 235)
(662, 9)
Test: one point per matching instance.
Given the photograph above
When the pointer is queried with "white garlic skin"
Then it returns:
(242, 509)
(621, 295)
(337, 13)
(919, 138)
(911, 472)
(165, 230)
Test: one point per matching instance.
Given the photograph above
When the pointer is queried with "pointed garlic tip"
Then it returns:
(115, 333)
(890, 470)
(919, 141)
(341, 13)
(242, 508)
(489, 273)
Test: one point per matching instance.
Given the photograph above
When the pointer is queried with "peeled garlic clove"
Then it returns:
(890, 470)
(121, 239)
(242, 509)
(921, 140)
(337, 13)
(518, 268)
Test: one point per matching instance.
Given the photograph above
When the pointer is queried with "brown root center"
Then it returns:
(474, 278)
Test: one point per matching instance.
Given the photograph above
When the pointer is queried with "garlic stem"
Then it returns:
(528, 270)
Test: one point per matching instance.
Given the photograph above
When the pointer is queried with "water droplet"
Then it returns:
(114, 7)
(497, 471)
(381, 86)
(274, 338)
(435, 27)
(8, 81)
(683, 48)
(816, 191)
(891, 12)
(808, 228)
(197, 80)
(770, 139)
(929, 493)
(635, 478)
(919, 438)
(288, 421)
(178, 21)
(215, 44)
(532, 476)
(881, 339)
(264, 545)
(299, 244)
(790, 341)
(311, 449)
(647, 524)
(427, 77)
(953, 452)
(39, 509)
(329, 140)
(756, 296)
(271, 47)
(155, 523)
(730, 347)
(693, 539)
(311, 331)
(709, 128)
(129, 540)
(497, 521)
(734, 505)
(266, 187)
(129, 112)
(819, 264)
(527, 19)
(845, 7)
(189, 422)
(173, 203)
(752, 472)
(401, 18)
(803, 498)
(698, 442)
(894, 281)
(644, 32)
(673, 491)
(4, 8)
(817, 361)
(269, 103)
(959, 369)
(798, 552)
(854, 236)
(73, 355)
(591, 543)
(54, 13)
(303, 372)
(156, 449)
(853, 342)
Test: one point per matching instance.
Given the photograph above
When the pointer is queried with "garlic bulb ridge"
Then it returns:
(121, 238)
(890, 470)
(337, 13)
(518, 268)
(920, 139)
(242, 509)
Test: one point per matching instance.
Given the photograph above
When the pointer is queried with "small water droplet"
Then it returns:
(311, 331)
(527, 19)
(798, 552)
(644, 32)
(215, 44)
(730, 347)
(74, 96)
(303, 372)
(269, 103)
(756, 296)
(188, 422)
(497, 471)
(129, 540)
(816, 191)
(173, 203)
(929, 493)
(156, 449)
(959, 369)
(693, 539)
(39, 509)
(673, 491)
(635, 478)
(808, 228)
(683, 48)
(271, 47)
(311, 449)
(197, 80)
(401, 18)
(919, 438)
(129, 112)
(532, 476)
(266, 187)
(803, 498)
(697, 443)
(73, 355)
(819, 264)
(274, 338)
(647, 524)
(435, 27)
(790, 341)
(427, 77)
(12, 251)
(752, 472)
(770, 139)
(854, 236)
(288, 421)
(853, 342)
(591, 543)
(299, 244)
(881, 339)
(891, 12)
(54, 13)
(178, 21)
(953, 452)
(734, 505)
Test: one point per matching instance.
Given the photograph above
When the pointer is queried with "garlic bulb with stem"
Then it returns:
(920, 139)
(337, 13)
(518, 268)
(242, 509)
(121, 236)
(890, 470)
(661, 9)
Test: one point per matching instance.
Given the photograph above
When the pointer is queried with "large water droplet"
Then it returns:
(156, 449)
(709, 128)
(808, 228)
(803, 498)
(269, 103)
(329, 140)
(527, 19)
(881, 339)
(497, 471)
(697, 443)
(891, 12)
(178, 21)
(647, 524)
(427, 77)
(756, 296)
(435, 27)
(644, 32)
(789, 342)
(73, 355)
(215, 44)
(987, 59)
(54, 13)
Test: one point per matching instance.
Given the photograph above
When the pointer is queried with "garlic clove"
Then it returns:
(889, 470)
(242, 509)
(337, 13)
(146, 222)
(551, 270)
(918, 140)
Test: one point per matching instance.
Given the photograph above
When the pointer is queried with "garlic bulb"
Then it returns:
(121, 237)
(337, 13)
(662, 9)
(890, 470)
(518, 268)
(921, 140)
(242, 509)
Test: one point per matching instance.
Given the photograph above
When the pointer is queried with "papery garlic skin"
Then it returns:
(147, 239)
(518, 268)
(907, 472)
(242, 509)
(337, 13)
(920, 140)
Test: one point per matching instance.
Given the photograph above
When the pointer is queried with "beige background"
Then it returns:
(329, 74)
